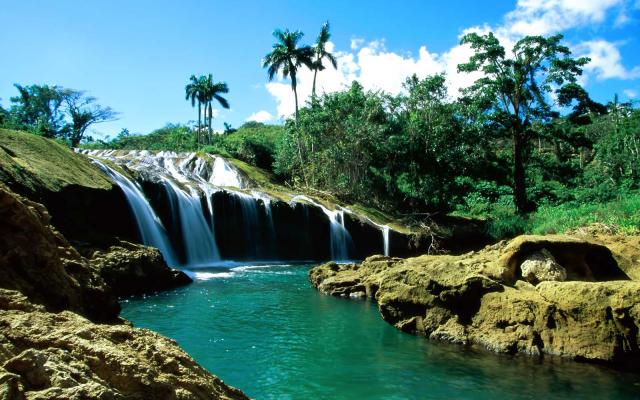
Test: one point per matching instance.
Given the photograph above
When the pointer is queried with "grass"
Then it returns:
(36, 163)
(623, 213)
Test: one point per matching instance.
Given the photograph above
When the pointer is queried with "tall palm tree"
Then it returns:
(287, 57)
(320, 52)
(194, 91)
(212, 91)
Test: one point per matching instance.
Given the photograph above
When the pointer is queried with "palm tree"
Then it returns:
(213, 90)
(194, 91)
(320, 52)
(286, 56)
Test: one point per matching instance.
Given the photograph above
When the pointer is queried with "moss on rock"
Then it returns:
(479, 298)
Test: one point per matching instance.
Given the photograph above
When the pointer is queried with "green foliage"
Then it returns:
(514, 92)
(204, 90)
(286, 57)
(54, 112)
(622, 212)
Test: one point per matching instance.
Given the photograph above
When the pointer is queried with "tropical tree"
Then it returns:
(514, 91)
(194, 91)
(287, 57)
(320, 52)
(213, 91)
(39, 108)
(83, 113)
(55, 111)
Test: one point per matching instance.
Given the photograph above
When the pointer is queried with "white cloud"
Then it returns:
(377, 68)
(357, 42)
(260, 116)
(543, 17)
(606, 61)
(630, 93)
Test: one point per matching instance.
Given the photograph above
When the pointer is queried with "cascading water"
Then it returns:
(198, 237)
(149, 225)
(223, 175)
(385, 239)
(208, 195)
(340, 237)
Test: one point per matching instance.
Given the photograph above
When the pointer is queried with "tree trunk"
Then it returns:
(519, 179)
(199, 123)
(295, 95)
(210, 118)
(313, 88)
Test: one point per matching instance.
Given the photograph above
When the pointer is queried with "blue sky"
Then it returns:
(136, 56)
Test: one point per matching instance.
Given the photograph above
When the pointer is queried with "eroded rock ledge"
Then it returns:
(65, 356)
(60, 335)
(480, 298)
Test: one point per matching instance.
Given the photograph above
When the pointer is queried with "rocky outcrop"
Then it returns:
(480, 298)
(132, 269)
(37, 261)
(82, 202)
(65, 356)
(50, 300)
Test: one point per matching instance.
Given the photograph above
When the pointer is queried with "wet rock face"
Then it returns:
(132, 269)
(65, 356)
(542, 266)
(480, 299)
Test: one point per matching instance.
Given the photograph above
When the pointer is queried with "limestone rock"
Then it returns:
(65, 356)
(477, 298)
(541, 266)
(131, 269)
(37, 260)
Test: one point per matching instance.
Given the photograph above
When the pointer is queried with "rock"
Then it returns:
(83, 202)
(37, 261)
(541, 266)
(479, 299)
(131, 269)
(65, 356)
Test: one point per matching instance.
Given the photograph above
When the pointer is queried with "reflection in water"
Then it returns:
(264, 330)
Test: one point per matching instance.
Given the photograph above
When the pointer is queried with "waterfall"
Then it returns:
(385, 239)
(340, 237)
(149, 225)
(223, 175)
(198, 237)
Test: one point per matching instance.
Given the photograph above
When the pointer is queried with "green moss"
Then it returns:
(37, 163)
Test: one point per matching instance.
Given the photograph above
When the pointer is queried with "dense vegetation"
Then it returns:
(525, 145)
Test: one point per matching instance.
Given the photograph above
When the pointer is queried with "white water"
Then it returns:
(149, 225)
(340, 237)
(223, 174)
(385, 239)
(198, 237)
(190, 176)
(187, 168)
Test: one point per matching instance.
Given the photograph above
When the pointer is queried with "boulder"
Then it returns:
(541, 266)
(481, 299)
(133, 269)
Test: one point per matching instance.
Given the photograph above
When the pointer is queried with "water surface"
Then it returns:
(264, 330)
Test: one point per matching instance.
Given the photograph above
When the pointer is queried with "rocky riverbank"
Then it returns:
(61, 337)
(571, 296)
